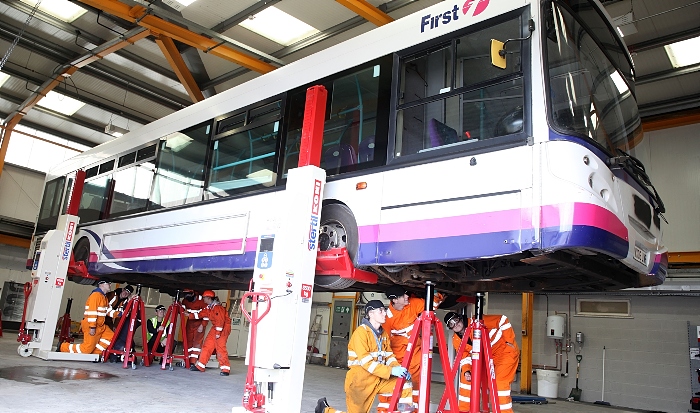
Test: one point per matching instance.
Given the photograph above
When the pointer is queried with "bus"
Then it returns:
(483, 145)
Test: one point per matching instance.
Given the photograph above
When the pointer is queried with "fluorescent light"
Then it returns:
(60, 103)
(625, 24)
(3, 78)
(178, 5)
(278, 26)
(684, 53)
(116, 131)
(61, 9)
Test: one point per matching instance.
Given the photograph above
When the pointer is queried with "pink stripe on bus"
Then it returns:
(198, 247)
(567, 215)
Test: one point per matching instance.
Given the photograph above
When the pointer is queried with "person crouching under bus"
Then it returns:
(218, 334)
(193, 305)
(96, 335)
(504, 351)
(373, 367)
(400, 318)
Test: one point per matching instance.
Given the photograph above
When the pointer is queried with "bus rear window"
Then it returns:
(51, 204)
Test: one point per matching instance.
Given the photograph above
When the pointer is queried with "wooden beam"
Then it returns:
(368, 11)
(688, 257)
(14, 241)
(526, 347)
(671, 121)
(167, 46)
(140, 15)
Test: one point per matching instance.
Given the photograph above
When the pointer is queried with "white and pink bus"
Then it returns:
(441, 165)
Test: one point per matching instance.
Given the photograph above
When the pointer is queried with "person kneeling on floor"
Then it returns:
(373, 367)
(96, 334)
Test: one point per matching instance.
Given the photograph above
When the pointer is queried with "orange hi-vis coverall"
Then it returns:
(115, 306)
(94, 317)
(194, 321)
(216, 339)
(399, 326)
(370, 360)
(505, 354)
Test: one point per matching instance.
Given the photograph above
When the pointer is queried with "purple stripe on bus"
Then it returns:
(190, 264)
(580, 214)
(581, 236)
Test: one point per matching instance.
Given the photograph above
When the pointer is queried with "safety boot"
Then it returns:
(223, 373)
(193, 368)
(321, 405)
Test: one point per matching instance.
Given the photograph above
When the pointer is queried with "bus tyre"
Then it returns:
(81, 252)
(338, 229)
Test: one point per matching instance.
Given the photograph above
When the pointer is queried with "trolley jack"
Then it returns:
(253, 398)
(483, 372)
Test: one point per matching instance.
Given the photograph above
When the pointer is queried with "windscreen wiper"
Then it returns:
(636, 168)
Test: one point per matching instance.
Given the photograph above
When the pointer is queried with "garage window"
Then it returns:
(589, 307)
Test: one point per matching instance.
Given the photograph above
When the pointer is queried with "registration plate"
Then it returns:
(640, 255)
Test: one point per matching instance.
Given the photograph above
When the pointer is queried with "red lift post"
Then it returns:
(482, 361)
(134, 308)
(170, 318)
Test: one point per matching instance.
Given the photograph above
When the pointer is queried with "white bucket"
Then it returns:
(548, 383)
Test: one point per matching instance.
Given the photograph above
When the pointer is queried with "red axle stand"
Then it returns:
(24, 337)
(167, 355)
(423, 324)
(254, 401)
(64, 335)
(134, 308)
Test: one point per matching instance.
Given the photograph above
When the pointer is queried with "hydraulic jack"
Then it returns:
(253, 398)
(170, 322)
(134, 310)
(64, 335)
(482, 362)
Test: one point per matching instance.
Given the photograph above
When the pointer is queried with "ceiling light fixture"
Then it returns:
(114, 130)
(625, 24)
(278, 26)
(684, 53)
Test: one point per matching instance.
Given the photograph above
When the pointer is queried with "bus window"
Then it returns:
(350, 126)
(51, 204)
(180, 167)
(131, 189)
(244, 160)
(92, 203)
(438, 110)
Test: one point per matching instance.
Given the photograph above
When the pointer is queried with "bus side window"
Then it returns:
(179, 177)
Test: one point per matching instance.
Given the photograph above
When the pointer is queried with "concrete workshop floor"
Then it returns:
(34, 385)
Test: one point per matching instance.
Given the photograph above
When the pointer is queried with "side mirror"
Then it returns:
(498, 58)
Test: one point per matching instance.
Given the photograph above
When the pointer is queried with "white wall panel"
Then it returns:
(20, 193)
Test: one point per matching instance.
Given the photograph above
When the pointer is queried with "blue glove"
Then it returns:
(399, 371)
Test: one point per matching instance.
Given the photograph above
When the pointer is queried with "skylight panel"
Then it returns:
(684, 53)
(60, 9)
(60, 103)
(3, 78)
(278, 26)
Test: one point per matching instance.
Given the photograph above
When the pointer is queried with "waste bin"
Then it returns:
(548, 383)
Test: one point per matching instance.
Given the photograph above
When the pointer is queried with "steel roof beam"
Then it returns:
(122, 111)
(666, 74)
(54, 132)
(663, 40)
(217, 47)
(311, 40)
(167, 46)
(368, 11)
(95, 40)
(99, 71)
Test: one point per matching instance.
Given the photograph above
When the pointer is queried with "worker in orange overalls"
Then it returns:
(504, 351)
(218, 334)
(96, 335)
(194, 329)
(116, 301)
(373, 367)
(400, 317)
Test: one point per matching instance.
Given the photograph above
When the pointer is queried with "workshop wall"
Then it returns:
(647, 359)
(20, 193)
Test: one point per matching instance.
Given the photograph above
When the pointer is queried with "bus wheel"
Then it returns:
(81, 252)
(338, 229)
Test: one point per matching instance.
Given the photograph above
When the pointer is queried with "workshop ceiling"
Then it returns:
(137, 84)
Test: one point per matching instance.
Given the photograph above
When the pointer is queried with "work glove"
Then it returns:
(399, 371)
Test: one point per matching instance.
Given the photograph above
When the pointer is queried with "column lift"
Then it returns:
(285, 264)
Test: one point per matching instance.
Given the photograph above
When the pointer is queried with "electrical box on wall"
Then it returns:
(555, 326)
